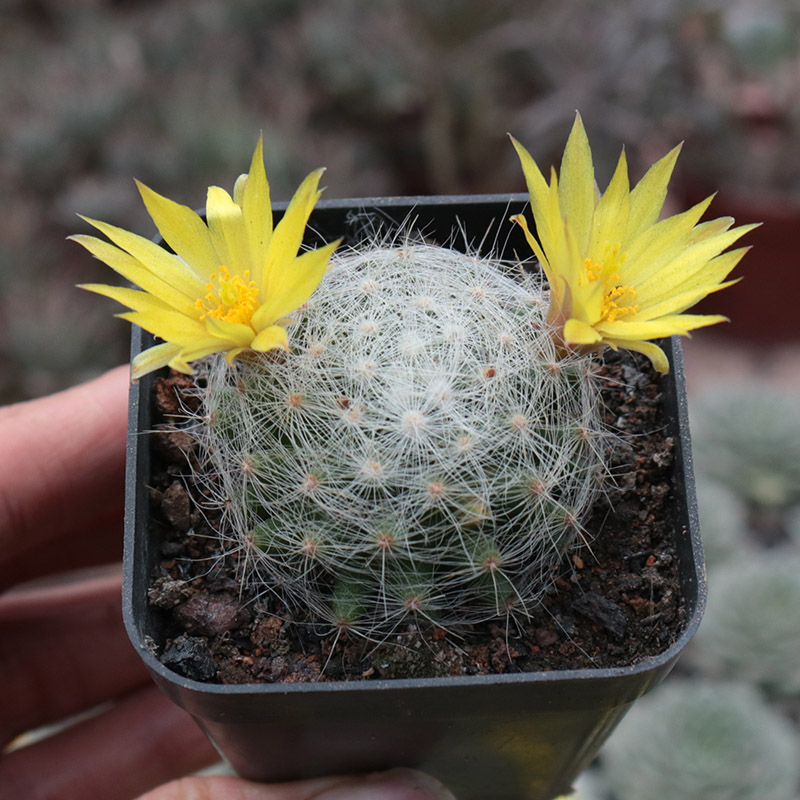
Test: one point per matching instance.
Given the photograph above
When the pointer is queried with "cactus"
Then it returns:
(751, 630)
(421, 453)
(695, 740)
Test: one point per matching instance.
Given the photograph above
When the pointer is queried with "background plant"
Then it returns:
(715, 741)
(96, 92)
(751, 630)
(748, 439)
(723, 521)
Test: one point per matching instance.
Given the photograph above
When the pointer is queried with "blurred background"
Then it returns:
(406, 97)
(395, 97)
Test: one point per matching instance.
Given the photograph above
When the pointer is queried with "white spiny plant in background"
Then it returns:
(691, 739)
(751, 630)
(723, 521)
(748, 439)
(423, 451)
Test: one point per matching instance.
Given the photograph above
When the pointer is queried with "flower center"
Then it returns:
(607, 271)
(611, 309)
(229, 298)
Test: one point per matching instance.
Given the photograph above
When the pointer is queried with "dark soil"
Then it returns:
(614, 602)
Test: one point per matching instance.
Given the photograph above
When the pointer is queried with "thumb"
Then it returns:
(396, 784)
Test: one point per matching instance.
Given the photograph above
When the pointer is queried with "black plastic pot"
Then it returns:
(503, 737)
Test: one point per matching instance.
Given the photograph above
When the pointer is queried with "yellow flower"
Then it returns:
(618, 275)
(231, 282)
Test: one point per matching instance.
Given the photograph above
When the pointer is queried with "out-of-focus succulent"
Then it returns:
(793, 524)
(748, 438)
(723, 521)
(692, 740)
(590, 785)
(751, 630)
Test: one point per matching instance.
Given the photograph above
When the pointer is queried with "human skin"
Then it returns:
(63, 647)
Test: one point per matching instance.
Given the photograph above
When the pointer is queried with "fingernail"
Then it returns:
(396, 784)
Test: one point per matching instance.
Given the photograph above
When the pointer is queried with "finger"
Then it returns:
(63, 650)
(396, 784)
(69, 599)
(141, 742)
(63, 461)
(96, 542)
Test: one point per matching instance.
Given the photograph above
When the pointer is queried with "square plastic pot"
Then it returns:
(523, 736)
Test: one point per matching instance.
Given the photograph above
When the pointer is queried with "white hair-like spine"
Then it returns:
(423, 449)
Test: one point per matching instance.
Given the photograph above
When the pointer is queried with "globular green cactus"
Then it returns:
(751, 629)
(423, 450)
(692, 740)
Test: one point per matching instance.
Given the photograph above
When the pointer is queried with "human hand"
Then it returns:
(63, 647)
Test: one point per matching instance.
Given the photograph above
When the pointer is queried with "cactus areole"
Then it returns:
(422, 456)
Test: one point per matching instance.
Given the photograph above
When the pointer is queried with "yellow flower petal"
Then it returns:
(153, 358)
(232, 354)
(556, 248)
(183, 230)
(659, 244)
(133, 298)
(235, 332)
(670, 325)
(709, 278)
(271, 338)
(677, 303)
(200, 348)
(534, 245)
(710, 228)
(656, 355)
(180, 364)
(168, 325)
(257, 213)
(136, 272)
(299, 282)
(612, 213)
(577, 195)
(537, 189)
(619, 276)
(577, 332)
(227, 230)
(230, 280)
(288, 234)
(687, 263)
(649, 195)
(156, 259)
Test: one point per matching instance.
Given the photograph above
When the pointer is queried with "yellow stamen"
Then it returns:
(607, 272)
(610, 309)
(229, 298)
(592, 269)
